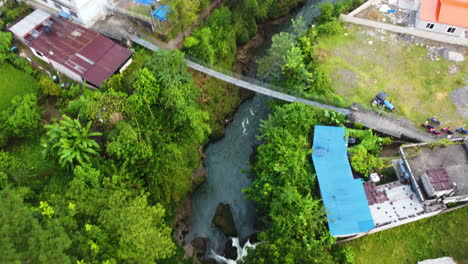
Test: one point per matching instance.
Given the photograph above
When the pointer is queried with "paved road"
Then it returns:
(398, 127)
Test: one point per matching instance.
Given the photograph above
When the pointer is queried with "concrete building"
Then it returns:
(443, 16)
(81, 54)
(82, 11)
(436, 173)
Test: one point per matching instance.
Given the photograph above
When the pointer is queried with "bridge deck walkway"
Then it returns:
(395, 126)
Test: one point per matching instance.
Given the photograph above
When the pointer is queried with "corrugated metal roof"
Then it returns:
(344, 197)
(83, 51)
(29, 23)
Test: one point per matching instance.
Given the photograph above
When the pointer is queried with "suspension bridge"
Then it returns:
(382, 122)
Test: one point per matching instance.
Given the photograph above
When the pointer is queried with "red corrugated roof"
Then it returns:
(83, 51)
(108, 64)
(450, 12)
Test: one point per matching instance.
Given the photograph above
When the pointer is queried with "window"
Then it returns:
(45, 1)
(58, 6)
(38, 53)
(429, 25)
(451, 29)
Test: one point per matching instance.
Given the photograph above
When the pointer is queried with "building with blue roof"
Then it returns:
(344, 197)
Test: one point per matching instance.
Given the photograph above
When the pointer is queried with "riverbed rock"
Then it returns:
(200, 244)
(224, 221)
(189, 251)
(181, 223)
(209, 261)
(230, 251)
(198, 176)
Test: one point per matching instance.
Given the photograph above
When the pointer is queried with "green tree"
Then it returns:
(137, 228)
(184, 12)
(100, 107)
(70, 141)
(22, 237)
(269, 67)
(49, 87)
(5, 42)
(23, 118)
(199, 45)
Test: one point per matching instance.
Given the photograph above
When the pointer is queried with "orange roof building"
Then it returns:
(450, 12)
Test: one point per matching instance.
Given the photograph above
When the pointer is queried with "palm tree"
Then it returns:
(70, 141)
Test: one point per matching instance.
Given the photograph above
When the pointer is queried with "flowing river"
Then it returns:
(227, 160)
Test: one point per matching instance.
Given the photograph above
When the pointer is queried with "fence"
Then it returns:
(131, 14)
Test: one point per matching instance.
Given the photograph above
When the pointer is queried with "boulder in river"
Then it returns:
(200, 244)
(209, 261)
(224, 221)
(230, 251)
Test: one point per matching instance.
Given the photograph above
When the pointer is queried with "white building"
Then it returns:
(82, 11)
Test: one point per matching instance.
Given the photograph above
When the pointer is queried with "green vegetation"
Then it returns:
(232, 23)
(125, 157)
(94, 176)
(434, 237)
(14, 82)
(284, 189)
(71, 142)
(418, 87)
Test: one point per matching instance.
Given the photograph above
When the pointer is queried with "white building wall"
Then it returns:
(60, 68)
(91, 10)
(87, 11)
(42, 57)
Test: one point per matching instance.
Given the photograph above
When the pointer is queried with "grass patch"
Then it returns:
(418, 87)
(14, 82)
(29, 167)
(143, 10)
(434, 237)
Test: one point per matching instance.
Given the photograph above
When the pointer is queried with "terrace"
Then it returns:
(453, 158)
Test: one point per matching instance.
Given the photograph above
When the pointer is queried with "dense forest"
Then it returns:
(95, 176)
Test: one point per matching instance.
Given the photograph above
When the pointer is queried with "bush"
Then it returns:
(22, 119)
(330, 28)
(11, 13)
(49, 87)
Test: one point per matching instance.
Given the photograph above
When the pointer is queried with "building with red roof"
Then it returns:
(79, 53)
(443, 16)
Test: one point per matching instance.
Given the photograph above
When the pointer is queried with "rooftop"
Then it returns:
(344, 197)
(440, 179)
(85, 52)
(400, 203)
(452, 158)
(451, 12)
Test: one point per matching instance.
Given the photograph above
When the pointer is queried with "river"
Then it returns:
(227, 160)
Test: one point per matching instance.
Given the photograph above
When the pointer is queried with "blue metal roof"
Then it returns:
(344, 197)
(162, 12)
(144, 2)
